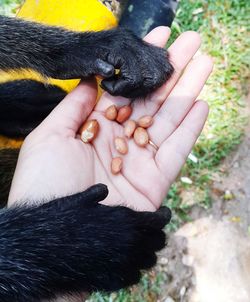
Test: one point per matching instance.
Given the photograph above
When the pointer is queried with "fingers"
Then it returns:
(88, 198)
(161, 217)
(174, 150)
(104, 69)
(158, 36)
(143, 68)
(181, 99)
(95, 194)
(70, 114)
(180, 54)
(165, 213)
(117, 86)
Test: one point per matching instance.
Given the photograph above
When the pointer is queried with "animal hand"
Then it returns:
(143, 67)
(104, 248)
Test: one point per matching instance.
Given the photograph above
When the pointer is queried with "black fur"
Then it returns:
(75, 244)
(24, 104)
(8, 161)
(62, 54)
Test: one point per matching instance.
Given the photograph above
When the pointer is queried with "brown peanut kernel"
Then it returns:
(123, 114)
(121, 145)
(141, 137)
(89, 131)
(129, 128)
(111, 113)
(145, 121)
(116, 165)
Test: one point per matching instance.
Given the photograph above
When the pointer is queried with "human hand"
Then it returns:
(55, 162)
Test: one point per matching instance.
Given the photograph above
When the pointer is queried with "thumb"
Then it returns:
(73, 110)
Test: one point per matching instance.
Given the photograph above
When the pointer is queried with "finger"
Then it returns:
(104, 69)
(116, 86)
(70, 114)
(159, 37)
(180, 53)
(160, 218)
(181, 99)
(95, 193)
(89, 198)
(173, 152)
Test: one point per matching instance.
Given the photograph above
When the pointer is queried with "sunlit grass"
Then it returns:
(223, 26)
(8, 7)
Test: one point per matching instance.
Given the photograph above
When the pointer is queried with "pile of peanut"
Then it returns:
(132, 129)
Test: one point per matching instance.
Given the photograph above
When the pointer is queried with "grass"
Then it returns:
(223, 26)
(8, 7)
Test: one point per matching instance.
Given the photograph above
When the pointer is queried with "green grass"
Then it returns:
(223, 26)
(148, 290)
(8, 7)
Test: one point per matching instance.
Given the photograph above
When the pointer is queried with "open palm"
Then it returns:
(55, 162)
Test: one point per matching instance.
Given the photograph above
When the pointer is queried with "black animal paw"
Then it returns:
(142, 67)
(75, 244)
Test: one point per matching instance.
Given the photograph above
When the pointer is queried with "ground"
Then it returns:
(232, 192)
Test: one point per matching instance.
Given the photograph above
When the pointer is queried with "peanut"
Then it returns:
(145, 121)
(129, 128)
(121, 145)
(89, 131)
(116, 165)
(111, 113)
(124, 114)
(141, 137)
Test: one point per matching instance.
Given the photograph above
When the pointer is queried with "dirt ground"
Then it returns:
(231, 189)
(219, 236)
